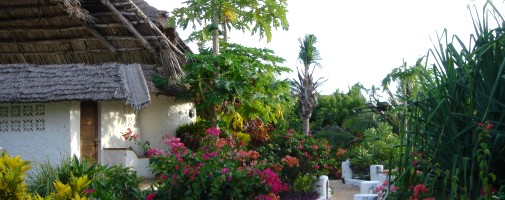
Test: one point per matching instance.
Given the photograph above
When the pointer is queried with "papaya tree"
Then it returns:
(256, 16)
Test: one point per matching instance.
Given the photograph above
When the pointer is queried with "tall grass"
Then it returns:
(453, 156)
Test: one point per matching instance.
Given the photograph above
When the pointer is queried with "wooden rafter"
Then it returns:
(157, 30)
(101, 38)
(130, 27)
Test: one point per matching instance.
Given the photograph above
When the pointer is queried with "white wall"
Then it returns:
(115, 118)
(48, 139)
(163, 116)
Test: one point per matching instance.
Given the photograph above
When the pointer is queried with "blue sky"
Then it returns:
(362, 40)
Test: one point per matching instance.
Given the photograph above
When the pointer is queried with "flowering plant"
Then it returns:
(219, 169)
(130, 136)
(300, 155)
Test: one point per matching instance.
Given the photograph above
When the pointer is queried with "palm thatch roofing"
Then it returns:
(48, 83)
(48, 32)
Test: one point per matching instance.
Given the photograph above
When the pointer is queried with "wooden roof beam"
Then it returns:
(130, 27)
(101, 38)
(157, 30)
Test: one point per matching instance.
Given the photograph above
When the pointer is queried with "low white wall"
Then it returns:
(127, 157)
(43, 133)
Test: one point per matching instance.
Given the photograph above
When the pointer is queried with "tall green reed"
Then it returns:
(443, 146)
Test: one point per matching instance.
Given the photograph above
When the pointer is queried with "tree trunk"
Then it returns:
(215, 32)
(306, 125)
(225, 32)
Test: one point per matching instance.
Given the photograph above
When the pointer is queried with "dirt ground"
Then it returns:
(341, 191)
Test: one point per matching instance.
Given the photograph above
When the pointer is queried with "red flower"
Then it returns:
(89, 191)
(491, 190)
(150, 196)
(414, 162)
(420, 188)
(490, 127)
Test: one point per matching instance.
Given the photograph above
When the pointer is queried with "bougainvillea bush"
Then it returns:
(295, 154)
(220, 169)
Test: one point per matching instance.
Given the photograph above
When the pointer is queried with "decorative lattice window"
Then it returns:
(22, 118)
(130, 118)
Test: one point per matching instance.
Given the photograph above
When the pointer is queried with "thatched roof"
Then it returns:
(88, 31)
(47, 83)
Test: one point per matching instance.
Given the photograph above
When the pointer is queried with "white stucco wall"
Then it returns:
(163, 116)
(115, 118)
(36, 142)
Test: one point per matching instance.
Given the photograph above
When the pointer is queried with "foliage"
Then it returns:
(303, 183)
(332, 110)
(192, 134)
(42, 181)
(378, 146)
(450, 147)
(336, 137)
(257, 16)
(305, 87)
(220, 169)
(246, 83)
(259, 131)
(12, 176)
(116, 182)
(74, 189)
(312, 155)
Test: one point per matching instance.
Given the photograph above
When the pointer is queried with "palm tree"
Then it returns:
(305, 87)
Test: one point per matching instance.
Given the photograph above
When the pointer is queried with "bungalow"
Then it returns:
(75, 75)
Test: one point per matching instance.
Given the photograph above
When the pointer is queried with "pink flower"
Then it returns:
(414, 162)
(135, 136)
(154, 152)
(150, 196)
(394, 188)
(225, 170)
(386, 183)
(316, 166)
(89, 191)
(163, 177)
(315, 147)
(213, 131)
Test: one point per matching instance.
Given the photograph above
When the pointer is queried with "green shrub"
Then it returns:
(336, 137)
(42, 180)
(192, 134)
(116, 182)
(303, 183)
